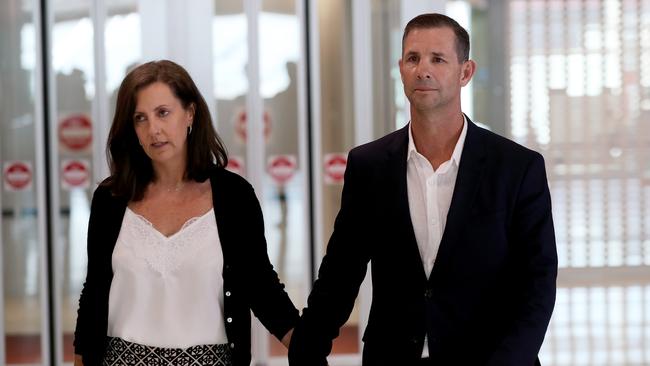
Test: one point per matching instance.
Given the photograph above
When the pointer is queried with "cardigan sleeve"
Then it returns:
(267, 298)
(83, 329)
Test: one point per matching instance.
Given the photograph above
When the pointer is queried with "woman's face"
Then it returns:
(161, 123)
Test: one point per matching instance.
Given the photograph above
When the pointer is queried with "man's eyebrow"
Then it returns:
(433, 53)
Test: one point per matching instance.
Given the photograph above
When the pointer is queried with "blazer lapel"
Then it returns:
(398, 192)
(470, 173)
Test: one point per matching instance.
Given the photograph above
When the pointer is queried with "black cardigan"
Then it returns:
(250, 282)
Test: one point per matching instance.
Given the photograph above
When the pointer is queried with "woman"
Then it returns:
(176, 250)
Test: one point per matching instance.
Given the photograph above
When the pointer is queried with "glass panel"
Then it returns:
(123, 45)
(337, 129)
(284, 189)
(230, 55)
(388, 98)
(20, 253)
(586, 109)
(599, 326)
(74, 72)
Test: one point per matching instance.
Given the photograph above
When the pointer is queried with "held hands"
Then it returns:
(78, 361)
(286, 340)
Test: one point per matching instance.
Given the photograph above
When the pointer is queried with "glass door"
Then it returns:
(23, 260)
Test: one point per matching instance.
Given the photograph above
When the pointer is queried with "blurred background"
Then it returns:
(292, 86)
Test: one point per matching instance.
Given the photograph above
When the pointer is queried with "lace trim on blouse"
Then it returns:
(165, 253)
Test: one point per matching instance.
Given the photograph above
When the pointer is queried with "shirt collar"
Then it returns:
(458, 149)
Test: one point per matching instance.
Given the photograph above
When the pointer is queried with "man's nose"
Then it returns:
(423, 71)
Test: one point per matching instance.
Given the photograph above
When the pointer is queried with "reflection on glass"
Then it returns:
(73, 67)
(284, 193)
(337, 127)
(230, 57)
(20, 252)
(123, 35)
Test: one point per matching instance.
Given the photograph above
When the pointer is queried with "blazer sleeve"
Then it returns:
(533, 238)
(341, 273)
(268, 300)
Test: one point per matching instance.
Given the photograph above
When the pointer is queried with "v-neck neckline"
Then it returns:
(187, 224)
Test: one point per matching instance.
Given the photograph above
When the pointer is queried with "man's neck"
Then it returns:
(435, 136)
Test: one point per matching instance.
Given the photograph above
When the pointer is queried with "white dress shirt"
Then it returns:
(167, 291)
(429, 195)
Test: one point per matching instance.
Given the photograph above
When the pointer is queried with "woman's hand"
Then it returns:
(79, 362)
(286, 340)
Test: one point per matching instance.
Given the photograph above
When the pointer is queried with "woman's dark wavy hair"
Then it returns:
(131, 169)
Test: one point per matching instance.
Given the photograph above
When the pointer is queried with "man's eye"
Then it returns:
(438, 60)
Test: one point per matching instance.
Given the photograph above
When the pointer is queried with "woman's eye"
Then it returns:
(138, 118)
(163, 112)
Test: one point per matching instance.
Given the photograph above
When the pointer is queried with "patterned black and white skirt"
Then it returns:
(120, 353)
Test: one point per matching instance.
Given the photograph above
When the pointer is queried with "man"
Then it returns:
(456, 222)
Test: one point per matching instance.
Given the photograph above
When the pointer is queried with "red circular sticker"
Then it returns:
(18, 175)
(75, 174)
(281, 167)
(241, 121)
(236, 165)
(334, 167)
(75, 132)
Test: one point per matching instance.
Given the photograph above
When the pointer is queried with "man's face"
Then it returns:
(431, 72)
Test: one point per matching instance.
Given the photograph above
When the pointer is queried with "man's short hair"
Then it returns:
(435, 20)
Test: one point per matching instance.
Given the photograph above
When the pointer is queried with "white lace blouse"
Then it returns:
(167, 291)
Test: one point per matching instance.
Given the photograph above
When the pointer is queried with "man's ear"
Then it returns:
(467, 71)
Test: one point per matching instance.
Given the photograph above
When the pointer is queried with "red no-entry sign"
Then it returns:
(334, 167)
(75, 132)
(281, 167)
(75, 174)
(236, 165)
(17, 175)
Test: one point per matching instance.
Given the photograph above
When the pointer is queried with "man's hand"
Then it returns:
(286, 340)
(78, 361)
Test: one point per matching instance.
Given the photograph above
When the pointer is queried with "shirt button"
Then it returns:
(229, 320)
(232, 345)
(227, 293)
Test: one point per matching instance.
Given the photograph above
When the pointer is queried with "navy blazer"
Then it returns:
(248, 275)
(490, 295)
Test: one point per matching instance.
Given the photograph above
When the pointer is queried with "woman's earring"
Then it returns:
(189, 129)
